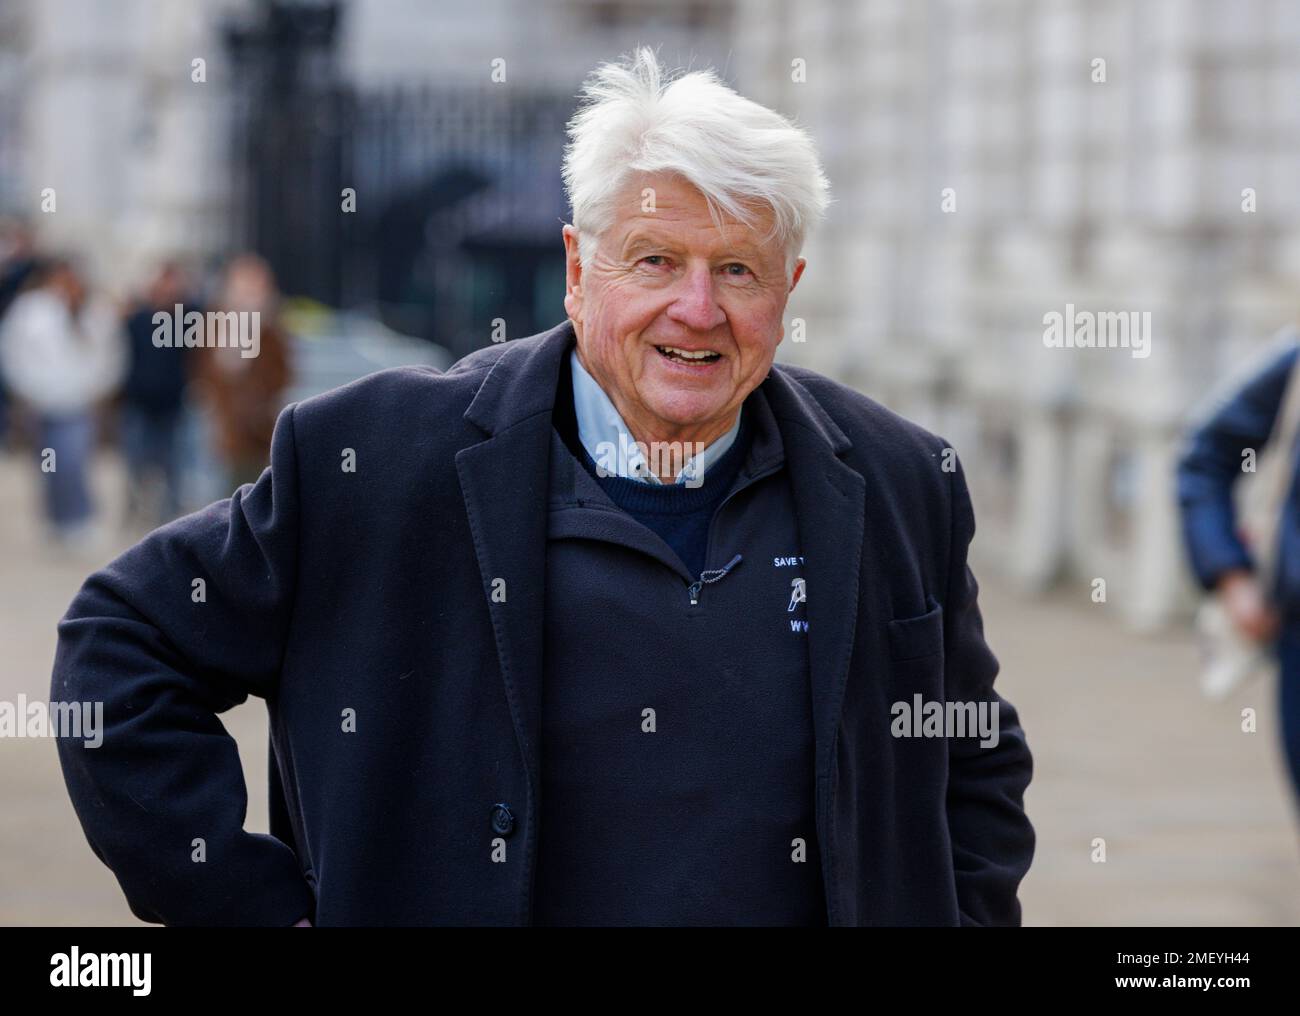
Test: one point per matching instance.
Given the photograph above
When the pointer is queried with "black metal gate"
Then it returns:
(458, 195)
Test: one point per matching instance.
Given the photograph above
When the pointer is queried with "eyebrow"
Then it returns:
(640, 242)
(643, 242)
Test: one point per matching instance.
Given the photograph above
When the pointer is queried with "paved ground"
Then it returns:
(1195, 814)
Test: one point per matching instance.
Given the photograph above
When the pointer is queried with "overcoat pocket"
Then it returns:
(911, 638)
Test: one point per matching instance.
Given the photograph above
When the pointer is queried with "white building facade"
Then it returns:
(1000, 160)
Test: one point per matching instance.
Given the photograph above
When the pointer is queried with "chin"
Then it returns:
(685, 409)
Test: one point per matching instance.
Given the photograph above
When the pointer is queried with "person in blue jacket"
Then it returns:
(1222, 562)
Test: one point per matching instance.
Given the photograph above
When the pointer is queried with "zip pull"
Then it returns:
(712, 575)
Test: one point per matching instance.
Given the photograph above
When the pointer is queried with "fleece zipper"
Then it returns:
(710, 575)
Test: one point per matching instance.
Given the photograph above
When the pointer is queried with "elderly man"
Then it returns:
(606, 625)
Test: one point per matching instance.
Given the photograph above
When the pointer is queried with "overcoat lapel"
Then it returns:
(504, 483)
(830, 513)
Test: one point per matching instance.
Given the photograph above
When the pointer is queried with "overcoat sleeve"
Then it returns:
(181, 627)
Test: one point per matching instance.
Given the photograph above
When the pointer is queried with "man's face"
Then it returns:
(669, 280)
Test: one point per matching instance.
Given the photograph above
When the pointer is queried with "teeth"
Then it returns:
(703, 354)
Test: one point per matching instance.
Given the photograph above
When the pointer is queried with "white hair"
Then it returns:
(737, 153)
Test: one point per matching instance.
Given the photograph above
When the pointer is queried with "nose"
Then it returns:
(694, 306)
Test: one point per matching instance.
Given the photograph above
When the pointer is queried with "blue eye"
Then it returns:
(737, 264)
(651, 257)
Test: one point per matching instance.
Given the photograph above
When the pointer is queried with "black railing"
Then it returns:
(458, 196)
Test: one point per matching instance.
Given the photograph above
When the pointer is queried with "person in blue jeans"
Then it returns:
(68, 503)
(62, 353)
(1221, 560)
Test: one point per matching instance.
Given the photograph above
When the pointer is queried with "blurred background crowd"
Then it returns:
(81, 371)
(380, 179)
(185, 410)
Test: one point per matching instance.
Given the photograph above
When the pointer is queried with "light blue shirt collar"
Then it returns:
(609, 442)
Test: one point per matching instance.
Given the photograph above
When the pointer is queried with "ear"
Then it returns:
(572, 274)
(797, 273)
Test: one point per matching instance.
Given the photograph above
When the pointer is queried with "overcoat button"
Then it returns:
(503, 819)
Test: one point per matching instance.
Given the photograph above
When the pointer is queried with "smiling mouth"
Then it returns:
(686, 356)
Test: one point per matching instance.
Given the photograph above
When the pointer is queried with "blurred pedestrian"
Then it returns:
(17, 264)
(153, 403)
(1264, 609)
(62, 351)
(245, 393)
